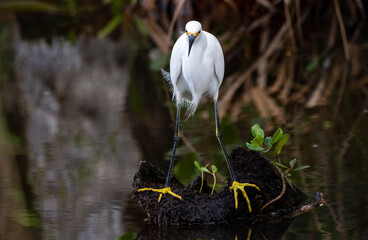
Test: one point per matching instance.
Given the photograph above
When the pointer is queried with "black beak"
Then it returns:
(191, 41)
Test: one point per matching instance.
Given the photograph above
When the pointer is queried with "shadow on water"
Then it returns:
(77, 119)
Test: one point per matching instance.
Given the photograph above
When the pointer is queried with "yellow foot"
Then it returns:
(240, 186)
(162, 191)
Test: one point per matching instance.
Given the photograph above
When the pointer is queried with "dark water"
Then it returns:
(76, 121)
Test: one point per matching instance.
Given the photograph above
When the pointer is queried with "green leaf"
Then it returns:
(251, 147)
(300, 168)
(205, 170)
(281, 143)
(276, 136)
(267, 142)
(214, 168)
(257, 141)
(197, 165)
(279, 164)
(257, 130)
(292, 162)
(110, 26)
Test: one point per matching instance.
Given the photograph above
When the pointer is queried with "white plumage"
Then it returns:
(197, 71)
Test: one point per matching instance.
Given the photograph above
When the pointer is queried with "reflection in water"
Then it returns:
(231, 232)
(82, 156)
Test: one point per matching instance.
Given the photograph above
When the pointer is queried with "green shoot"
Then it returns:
(200, 169)
(264, 144)
(205, 169)
(214, 170)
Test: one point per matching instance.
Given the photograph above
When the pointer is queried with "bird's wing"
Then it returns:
(219, 62)
(176, 60)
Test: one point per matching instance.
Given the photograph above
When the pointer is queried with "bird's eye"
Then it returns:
(199, 32)
(186, 30)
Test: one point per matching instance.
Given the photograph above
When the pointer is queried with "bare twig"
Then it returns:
(266, 105)
(290, 25)
(283, 176)
(267, 4)
(299, 23)
(342, 29)
(263, 65)
(319, 201)
(361, 8)
(274, 45)
(156, 33)
(260, 21)
(288, 83)
(317, 93)
(279, 79)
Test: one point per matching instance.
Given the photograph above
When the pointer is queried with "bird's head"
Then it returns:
(193, 30)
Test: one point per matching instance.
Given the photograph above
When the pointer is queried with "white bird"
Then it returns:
(196, 66)
(197, 70)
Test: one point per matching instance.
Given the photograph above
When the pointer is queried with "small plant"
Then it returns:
(290, 169)
(214, 170)
(200, 169)
(205, 169)
(264, 144)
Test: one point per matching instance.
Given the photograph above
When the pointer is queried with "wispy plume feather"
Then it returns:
(190, 105)
(167, 78)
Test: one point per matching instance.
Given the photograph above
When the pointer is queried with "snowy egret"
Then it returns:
(196, 70)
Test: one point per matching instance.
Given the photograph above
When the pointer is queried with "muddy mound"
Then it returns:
(203, 209)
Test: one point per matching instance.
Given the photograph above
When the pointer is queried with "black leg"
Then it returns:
(176, 140)
(219, 137)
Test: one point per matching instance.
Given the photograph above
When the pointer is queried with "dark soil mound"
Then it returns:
(204, 209)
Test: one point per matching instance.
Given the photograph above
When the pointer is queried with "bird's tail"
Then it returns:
(191, 108)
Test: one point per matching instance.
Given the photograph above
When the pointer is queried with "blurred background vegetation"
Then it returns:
(279, 54)
(299, 65)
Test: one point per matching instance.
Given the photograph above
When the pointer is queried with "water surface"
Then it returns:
(78, 118)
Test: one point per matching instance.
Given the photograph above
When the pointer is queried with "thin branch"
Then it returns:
(290, 25)
(283, 176)
(342, 29)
